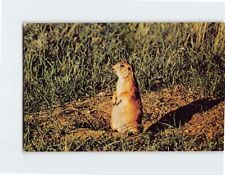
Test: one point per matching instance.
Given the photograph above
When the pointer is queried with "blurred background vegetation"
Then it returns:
(64, 62)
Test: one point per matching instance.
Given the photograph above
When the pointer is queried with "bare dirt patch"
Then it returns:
(73, 126)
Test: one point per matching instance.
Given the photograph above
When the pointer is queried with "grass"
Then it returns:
(67, 62)
(63, 62)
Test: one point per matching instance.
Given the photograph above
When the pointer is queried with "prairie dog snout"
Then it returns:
(127, 106)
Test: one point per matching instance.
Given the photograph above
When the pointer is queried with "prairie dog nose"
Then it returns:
(113, 67)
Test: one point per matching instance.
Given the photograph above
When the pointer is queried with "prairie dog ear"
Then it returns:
(133, 69)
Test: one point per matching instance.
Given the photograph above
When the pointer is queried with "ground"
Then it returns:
(175, 119)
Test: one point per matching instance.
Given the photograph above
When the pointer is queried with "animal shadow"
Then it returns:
(183, 114)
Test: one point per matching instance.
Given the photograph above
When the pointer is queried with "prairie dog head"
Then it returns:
(123, 69)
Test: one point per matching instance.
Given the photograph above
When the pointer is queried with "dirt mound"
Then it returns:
(178, 110)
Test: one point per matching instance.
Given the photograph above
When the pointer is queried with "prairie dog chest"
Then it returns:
(124, 85)
(120, 85)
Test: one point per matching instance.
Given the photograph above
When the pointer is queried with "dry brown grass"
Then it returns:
(85, 125)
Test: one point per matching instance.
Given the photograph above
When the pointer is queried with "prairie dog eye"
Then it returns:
(121, 66)
(129, 68)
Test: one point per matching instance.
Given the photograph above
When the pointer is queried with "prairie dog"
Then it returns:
(127, 106)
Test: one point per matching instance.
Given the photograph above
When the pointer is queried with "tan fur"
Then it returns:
(127, 106)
